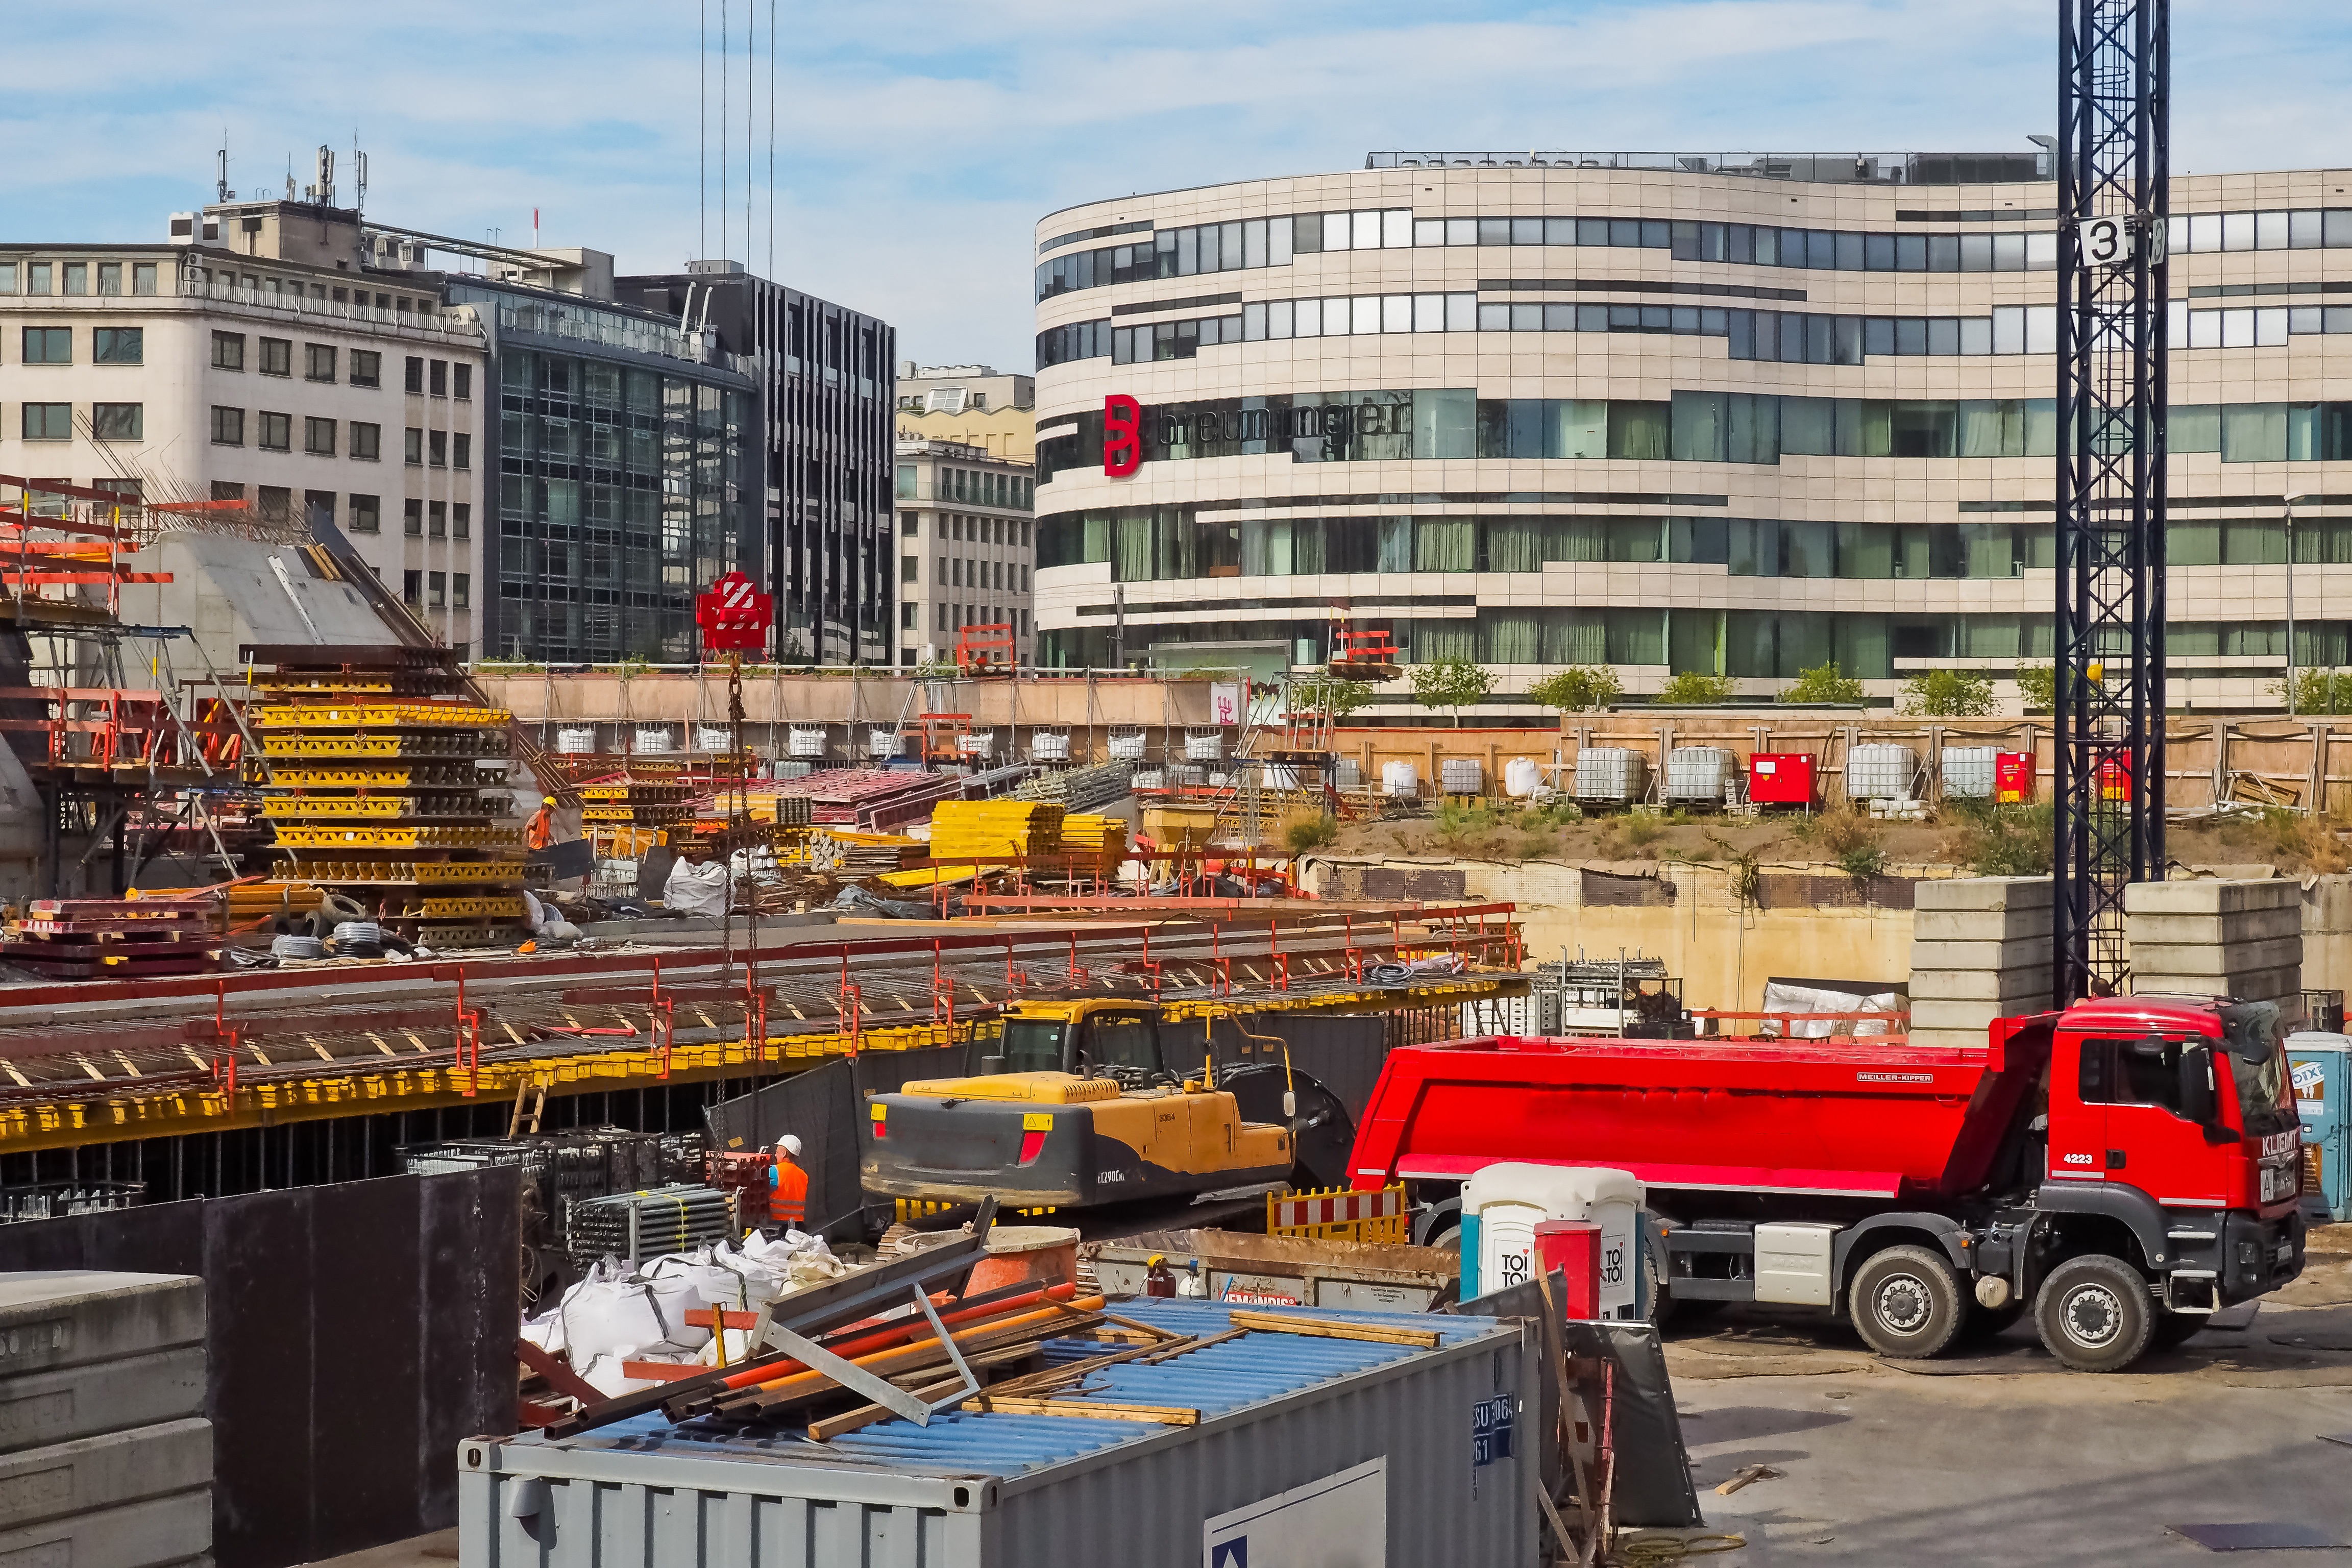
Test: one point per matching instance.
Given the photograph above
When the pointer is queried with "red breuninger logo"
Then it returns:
(1122, 435)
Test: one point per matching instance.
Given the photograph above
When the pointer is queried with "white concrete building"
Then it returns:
(212, 367)
(967, 549)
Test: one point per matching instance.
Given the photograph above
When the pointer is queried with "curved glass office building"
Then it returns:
(1737, 415)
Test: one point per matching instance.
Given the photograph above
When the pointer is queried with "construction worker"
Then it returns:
(541, 835)
(788, 1185)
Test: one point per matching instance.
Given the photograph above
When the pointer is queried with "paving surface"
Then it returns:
(2002, 1456)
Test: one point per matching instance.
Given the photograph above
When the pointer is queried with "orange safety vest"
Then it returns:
(788, 1194)
(542, 832)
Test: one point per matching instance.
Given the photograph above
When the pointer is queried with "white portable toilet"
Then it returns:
(1502, 1205)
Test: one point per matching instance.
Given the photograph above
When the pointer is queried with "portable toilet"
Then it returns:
(2321, 1068)
(1502, 1203)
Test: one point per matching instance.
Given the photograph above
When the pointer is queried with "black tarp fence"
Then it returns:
(354, 1335)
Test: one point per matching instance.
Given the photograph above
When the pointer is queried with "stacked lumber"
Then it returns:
(105, 939)
(850, 856)
(1103, 837)
(965, 829)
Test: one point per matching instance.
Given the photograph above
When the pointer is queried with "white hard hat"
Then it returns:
(789, 1145)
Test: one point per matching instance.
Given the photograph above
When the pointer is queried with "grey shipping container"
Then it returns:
(1419, 1458)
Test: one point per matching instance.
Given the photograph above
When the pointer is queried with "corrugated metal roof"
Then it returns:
(1214, 1381)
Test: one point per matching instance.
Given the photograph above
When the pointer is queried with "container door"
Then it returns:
(1506, 1245)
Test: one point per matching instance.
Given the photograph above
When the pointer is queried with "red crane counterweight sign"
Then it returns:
(734, 615)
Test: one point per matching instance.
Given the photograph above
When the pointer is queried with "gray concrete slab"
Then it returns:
(56, 1318)
(1982, 893)
(1999, 1456)
(1980, 925)
(72, 1402)
(2213, 897)
(437, 1550)
(2253, 925)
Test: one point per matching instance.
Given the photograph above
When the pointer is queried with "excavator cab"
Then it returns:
(1112, 1040)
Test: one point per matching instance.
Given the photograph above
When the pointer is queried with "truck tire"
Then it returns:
(1905, 1303)
(2095, 1314)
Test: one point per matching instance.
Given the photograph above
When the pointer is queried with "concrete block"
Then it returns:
(2023, 953)
(2216, 958)
(1946, 1039)
(72, 1402)
(2213, 896)
(1971, 1016)
(2283, 985)
(2327, 904)
(2251, 925)
(1977, 984)
(177, 1529)
(1982, 893)
(89, 1473)
(1980, 925)
(71, 1318)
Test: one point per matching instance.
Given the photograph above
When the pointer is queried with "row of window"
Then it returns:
(71, 277)
(964, 571)
(274, 432)
(108, 421)
(998, 530)
(981, 487)
(437, 590)
(1273, 242)
(108, 345)
(1699, 426)
(948, 618)
(1749, 644)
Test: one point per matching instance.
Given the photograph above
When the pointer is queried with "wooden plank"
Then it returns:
(558, 1373)
(1324, 1328)
(1162, 1414)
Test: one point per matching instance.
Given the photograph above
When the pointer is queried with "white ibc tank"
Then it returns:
(980, 744)
(1462, 775)
(806, 741)
(1698, 773)
(576, 742)
(1611, 775)
(1508, 1200)
(1969, 772)
(1880, 772)
(1126, 745)
(1401, 779)
(1204, 745)
(1049, 746)
(714, 738)
(881, 742)
(1522, 776)
(654, 740)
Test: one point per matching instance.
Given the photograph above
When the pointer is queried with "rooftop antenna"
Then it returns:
(220, 169)
(324, 191)
(290, 176)
(359, 173)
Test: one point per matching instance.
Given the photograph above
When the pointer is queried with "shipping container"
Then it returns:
(1388, 1455)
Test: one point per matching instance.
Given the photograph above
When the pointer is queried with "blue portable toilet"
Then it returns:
(2321, 1064)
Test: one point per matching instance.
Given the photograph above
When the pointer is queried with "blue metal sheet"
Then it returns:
(1214, 1381)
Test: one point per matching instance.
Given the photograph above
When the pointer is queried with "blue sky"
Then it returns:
(918, 145)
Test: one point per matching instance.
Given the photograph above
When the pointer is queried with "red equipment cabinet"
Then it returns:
(2012, 778)
(1781, 778)
(2158, 1181)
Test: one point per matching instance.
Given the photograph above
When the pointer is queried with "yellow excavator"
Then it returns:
(1076, 1104)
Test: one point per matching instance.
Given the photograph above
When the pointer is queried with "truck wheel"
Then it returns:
(1905, 1303)
(2094, 1313)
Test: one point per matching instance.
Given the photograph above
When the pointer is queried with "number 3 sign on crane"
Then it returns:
(2114, 241)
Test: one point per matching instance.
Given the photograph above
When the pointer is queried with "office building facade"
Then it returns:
(970, 405)
(967, 550)
(821, 379)
(1739, 416)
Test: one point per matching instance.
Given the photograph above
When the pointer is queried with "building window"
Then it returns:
(110, 277)
(367, 514)
(436, 520)
(438, 382)
(906, 481)
(910, 524)
(118, 421)
(142, 277)
(411, 588)
(415, 370)
(436, 589)
(317, 509)
(461, 590)
(37, 278)
(276, 433)
(943, 616)
(464, 387)
(367, 441)
(228, 350)
(48, 346)
(461, 450)
(413, 452)
(318, 361)
(228, 430)
(461, 521)
(907, 617)
(907, 571)
(277, 502)
(277, 356)
(77, 276)
(119, 345)
(411, 519)
(223, 489)
(367, 368)
(7, 277)
(437, 446)
(319, 436)
(48, 422)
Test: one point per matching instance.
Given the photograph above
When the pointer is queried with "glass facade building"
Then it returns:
(1671, 413)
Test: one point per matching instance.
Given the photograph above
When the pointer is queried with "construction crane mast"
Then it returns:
(2114, 195)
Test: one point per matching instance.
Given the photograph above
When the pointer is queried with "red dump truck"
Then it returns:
(2122, 1169)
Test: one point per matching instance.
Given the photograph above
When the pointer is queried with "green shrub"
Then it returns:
(1580, 689)
(1694, 689)
(2038, 684)
(1948, 694)
(1452, 681)
(1301, 837)
(1822, 683)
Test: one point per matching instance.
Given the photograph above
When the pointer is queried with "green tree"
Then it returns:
(1948, 694)
(1452, 681)
(1342, 697)
(1580, 689)
(2038, 684)
(2318, 690)
(1695, 689)
(1822, 683)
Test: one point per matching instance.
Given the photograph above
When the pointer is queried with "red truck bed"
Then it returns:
(1863, 1118)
